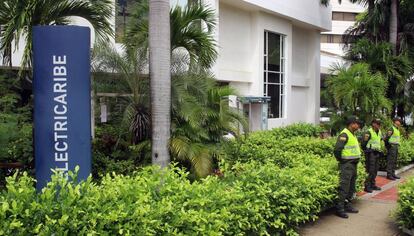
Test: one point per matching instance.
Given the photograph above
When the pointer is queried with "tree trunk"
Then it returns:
(394, 26)
(393, 34)
(160, 63)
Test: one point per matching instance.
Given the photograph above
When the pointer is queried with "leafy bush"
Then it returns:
(405, 210)
(406, 152)
(295, 130)
(286, 152)
(21, 148)
(252, 198)
(270, 186)
(15, 123)
(112, 153)
(264, 144)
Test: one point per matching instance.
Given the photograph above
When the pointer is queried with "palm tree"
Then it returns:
(187, 33)
(201, 118)
(6, 13)
(17, 18)
(128, 66)
(200, 112)
(379, 56)
(394, 25)
(356, 90)
(160, 77)
(389, 31)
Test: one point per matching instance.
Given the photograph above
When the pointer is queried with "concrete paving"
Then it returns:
(374, 217)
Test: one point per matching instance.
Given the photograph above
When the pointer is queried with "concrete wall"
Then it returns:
(309, 12)
(305, 94)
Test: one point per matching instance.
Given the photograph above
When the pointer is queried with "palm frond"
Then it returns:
(18, 18)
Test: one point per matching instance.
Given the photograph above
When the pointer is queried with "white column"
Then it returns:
(214, 4)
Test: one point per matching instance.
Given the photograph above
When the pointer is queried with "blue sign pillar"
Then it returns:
(62, 107)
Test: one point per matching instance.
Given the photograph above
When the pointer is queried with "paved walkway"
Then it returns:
(374, 217)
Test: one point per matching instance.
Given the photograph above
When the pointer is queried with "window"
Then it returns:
(348, 16)
(330, 38)
(274, 73)
(343, 16)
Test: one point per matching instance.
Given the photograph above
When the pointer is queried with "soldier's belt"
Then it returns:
(350, 157)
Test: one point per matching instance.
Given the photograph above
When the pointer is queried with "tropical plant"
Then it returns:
(201, 115)
(358, 91)
(387, 20)
(200, 112)
(17, 18)
(380, 58)
(129, 67)
(191, 32)
(404, 213)
(201, 119)
(379, 54)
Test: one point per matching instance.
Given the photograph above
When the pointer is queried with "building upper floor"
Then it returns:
(307, 14)
(343, 17)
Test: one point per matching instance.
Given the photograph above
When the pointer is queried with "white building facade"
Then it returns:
(269, 48)
(332, 47)
(272, 48)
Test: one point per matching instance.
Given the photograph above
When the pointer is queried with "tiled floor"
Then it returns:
(380, 182)
(388, 195)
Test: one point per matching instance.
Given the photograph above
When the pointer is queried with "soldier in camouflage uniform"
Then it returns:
(371, 144)
(347, 152)
(392, 143)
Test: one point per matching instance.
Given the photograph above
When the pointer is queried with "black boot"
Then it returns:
(350, 209)
(342, 214)
(396, 177)
(390, 177)
(368, 189)
(376, 188)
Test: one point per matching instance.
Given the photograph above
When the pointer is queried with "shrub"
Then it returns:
(295, 130)
(112, 153)
(287, 152)
(15, 121)
(405, 210)
(16, 143)
(252, 198)
(406, 152)
(262, 145)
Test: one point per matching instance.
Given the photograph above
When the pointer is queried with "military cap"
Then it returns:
(353, 119)
(377, 121)
(397, 119)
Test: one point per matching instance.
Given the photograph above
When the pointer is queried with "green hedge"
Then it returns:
(406, 152)
(252, 198)
(405, 211)
(265, 147)
(270, 186)
(296, 130)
